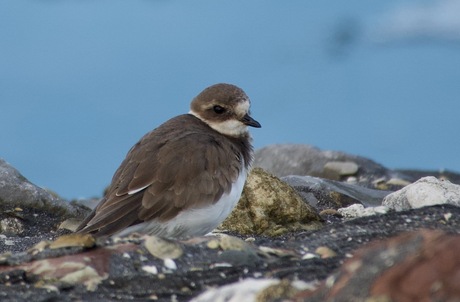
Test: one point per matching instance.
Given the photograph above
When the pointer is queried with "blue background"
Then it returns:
(82, 81)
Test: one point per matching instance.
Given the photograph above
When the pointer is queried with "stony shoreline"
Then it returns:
(336, 227)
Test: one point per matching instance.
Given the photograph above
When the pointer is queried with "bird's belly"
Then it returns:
(193, 222)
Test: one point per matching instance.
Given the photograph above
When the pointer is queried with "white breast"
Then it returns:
(194, 222)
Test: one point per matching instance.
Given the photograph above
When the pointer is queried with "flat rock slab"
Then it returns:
(134, 270)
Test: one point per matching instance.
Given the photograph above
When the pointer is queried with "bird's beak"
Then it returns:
(249, 121)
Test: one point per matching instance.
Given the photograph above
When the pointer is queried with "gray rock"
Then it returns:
(325, 193)
(426, 191)
(16, 191)
(291, 159)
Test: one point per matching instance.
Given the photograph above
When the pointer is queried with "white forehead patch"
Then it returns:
(242, 108)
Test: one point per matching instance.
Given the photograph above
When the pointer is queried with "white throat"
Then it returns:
(230, 127)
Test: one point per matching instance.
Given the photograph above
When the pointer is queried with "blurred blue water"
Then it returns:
(81, 81)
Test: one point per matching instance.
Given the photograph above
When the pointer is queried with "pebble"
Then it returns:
(358, 210)
(163, 248)
(151, 269)
(341, 168)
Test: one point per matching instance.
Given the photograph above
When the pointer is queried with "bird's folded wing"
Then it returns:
(161, 177)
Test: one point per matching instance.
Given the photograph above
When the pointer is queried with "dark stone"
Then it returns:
(451, 176)
(330, 194)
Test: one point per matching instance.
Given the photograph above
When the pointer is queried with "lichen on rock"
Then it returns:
(270, 207)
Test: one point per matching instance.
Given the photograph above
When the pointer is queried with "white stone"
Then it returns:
(342, 167)
(358, 210)
(426, 191)
(169, 263)
(245, 290)
(152, 269)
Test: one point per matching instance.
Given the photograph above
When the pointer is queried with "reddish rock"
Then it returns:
(417, 266)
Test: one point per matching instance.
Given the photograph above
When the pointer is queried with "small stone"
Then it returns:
(9, 242)
(170, 264)
(398, 182)
(277, 252)
(11, 226)
(309, 256)
(332, 212)
(232, 243)
(325, 252)
(357, 210)
(213, 244)
(82, 240)
(162, 248)
(447, 216)
(86, 275)
(244, 290)
(336, 169)
(151, 269)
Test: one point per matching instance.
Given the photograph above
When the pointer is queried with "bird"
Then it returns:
(182, 179)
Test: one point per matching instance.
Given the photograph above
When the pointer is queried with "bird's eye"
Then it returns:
(218, 109)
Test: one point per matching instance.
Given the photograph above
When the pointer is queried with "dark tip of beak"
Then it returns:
(247, 120)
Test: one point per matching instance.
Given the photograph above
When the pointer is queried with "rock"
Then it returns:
(123, 268)
(357, 210)
(291, 159)
(417, 266)
(270, 207)
(330, 194)
(34, 266)
(29, 211)
(426, 191)
(17, 191)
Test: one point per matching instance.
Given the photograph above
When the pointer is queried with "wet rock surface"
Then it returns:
(41, 260)
(329, 194)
